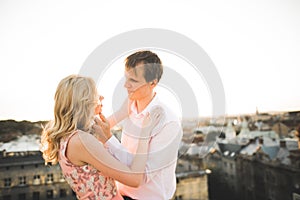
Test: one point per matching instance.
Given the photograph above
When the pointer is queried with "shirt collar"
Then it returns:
(152, 103)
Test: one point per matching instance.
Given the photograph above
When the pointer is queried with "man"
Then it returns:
(143, 71)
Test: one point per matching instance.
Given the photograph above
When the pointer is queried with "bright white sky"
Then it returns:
(254, 45)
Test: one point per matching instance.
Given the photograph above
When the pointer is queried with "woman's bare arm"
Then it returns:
(84, 148)
(120, 114)
(91, 151)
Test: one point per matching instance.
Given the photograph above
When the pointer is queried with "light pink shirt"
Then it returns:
(160, 179)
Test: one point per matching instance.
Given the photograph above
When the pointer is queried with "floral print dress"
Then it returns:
(86, 181)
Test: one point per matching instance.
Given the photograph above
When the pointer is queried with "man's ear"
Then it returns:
(154, 82)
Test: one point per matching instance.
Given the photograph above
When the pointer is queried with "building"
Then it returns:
(24, 176)
(193, 187)
(265, 168)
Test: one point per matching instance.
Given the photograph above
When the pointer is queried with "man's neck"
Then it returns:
(143, 103)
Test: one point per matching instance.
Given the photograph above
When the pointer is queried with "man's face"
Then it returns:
(136, 85)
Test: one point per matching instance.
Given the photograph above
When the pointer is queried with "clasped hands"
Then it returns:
(101, 127)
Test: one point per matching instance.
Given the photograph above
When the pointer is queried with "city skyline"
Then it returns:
(254, 46)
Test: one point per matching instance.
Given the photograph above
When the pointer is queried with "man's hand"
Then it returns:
(101, 129)
(151, 119)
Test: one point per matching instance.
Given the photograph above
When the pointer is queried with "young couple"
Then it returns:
(93, 161)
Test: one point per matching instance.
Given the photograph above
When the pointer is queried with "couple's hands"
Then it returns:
(101, 128)
(98, 108)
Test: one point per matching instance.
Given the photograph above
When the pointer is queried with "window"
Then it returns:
(179, 197)
(61, 178)
(296, 196)
(22, 196)
(36, 196)
(22, 180)
(62, 193)
(225, 164)
(49, 178)
(36, 176)
(49, 194)
(7, 197)
(36, 179)
(7, 182)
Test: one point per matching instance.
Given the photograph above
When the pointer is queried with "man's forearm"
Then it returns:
(119, 151)
(116, 117)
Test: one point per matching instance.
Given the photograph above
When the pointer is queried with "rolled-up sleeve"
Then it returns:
(119, 151)
(163, 149)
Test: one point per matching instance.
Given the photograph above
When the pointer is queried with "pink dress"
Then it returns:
(86, 181)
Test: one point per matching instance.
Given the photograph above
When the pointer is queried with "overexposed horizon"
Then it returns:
(254, 46)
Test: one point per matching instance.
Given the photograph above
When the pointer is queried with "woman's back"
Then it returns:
(86, 181)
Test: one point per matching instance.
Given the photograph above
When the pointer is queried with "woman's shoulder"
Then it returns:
(86, 139)
(84, 135)
(78, 135)
(76, 139)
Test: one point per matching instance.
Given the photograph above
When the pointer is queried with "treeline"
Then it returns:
(11, 129)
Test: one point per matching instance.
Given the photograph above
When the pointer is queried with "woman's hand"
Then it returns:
(101, 128)
(98, 108)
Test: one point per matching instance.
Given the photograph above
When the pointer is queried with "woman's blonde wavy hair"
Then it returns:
(75, 99)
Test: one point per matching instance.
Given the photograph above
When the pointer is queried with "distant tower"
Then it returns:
(244, 130)
(230, 132)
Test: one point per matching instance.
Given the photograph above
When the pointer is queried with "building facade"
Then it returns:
(24, 176)
(259, 174)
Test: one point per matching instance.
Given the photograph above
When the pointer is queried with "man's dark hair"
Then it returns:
(153, 68)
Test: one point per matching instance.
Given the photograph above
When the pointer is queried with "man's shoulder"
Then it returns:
(169, 113)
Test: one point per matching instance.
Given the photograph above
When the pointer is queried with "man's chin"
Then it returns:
(131, 98)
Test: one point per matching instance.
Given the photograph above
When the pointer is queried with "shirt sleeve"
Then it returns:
(163, 150)
(116, 149)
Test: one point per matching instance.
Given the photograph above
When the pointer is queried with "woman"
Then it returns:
(87, 166)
